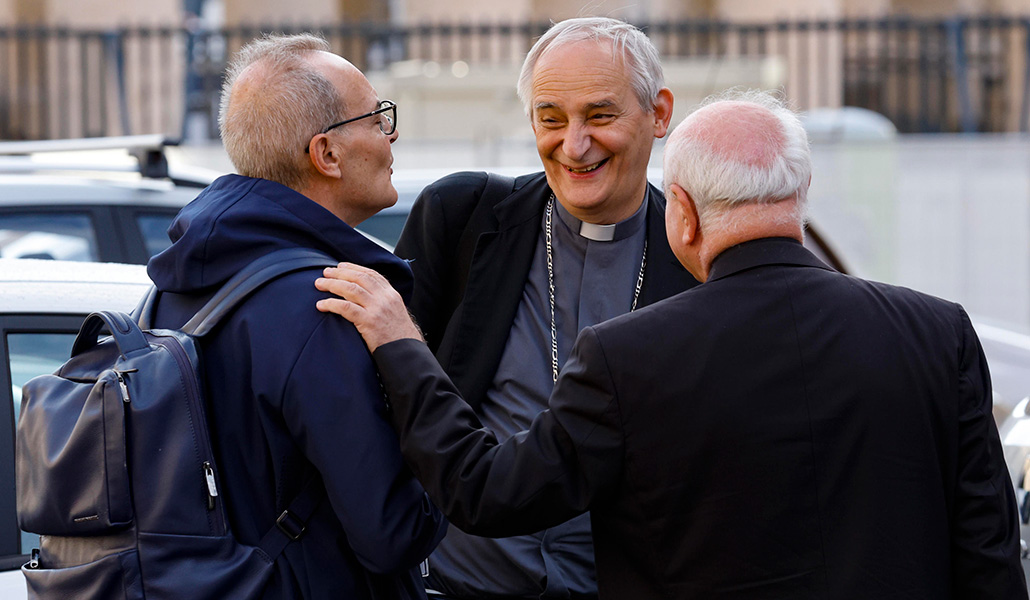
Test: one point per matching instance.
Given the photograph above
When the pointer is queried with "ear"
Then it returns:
(687, 211)
(324, 156)
(662, 112)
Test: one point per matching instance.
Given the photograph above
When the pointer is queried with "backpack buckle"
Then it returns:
(290, 525)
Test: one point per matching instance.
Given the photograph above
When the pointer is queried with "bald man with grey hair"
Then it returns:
(780, 431)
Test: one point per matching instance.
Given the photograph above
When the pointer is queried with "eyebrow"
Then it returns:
(589, 106)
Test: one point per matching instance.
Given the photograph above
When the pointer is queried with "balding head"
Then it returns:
(738, 149)
(739, 132)
(276, 96)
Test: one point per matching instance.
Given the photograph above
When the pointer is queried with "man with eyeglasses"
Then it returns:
(295, 405)
(508, 272)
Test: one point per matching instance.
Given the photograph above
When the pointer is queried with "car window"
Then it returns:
(31, 354)
(49, 235)
(154, 229)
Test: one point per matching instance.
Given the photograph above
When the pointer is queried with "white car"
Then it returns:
(42, 304)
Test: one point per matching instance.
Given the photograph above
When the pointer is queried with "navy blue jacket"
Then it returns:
(292, 391)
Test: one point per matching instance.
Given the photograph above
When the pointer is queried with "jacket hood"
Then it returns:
(238, 219)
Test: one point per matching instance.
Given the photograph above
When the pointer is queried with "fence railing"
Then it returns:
(963, 74)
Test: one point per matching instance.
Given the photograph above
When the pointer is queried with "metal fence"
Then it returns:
(964, 74)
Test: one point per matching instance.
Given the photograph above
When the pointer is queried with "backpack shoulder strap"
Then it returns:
(249, 279)
(234, 291)
(292, 523)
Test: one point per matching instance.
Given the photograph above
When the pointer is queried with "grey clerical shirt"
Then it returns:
(593, 281)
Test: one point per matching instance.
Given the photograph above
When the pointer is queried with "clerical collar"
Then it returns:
(604, 233)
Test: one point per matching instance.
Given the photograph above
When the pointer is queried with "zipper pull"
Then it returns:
(34, 559)
(121, 382)
(212, 489)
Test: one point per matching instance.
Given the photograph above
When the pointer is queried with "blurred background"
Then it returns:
(918, 109)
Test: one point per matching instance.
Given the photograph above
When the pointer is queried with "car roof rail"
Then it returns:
(147, 149)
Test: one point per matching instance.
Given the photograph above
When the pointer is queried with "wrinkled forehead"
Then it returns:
(584, 71)
(600, 48)
(742, 132)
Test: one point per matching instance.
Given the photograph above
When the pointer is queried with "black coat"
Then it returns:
(782, 431)
(470, 253)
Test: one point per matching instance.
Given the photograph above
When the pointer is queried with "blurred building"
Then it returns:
(733, 10)
(72, 68)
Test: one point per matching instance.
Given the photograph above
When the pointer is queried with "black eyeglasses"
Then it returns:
(388, 124)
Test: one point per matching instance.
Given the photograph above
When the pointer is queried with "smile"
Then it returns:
(592, 167)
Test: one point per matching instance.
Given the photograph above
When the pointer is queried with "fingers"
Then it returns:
(366, 299)
(344, 308)
(367, 278)
(355, 283)
(342, 288)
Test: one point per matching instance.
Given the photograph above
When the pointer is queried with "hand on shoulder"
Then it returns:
(366, 298)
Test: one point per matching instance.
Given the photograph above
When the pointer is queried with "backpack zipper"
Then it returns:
(212, 490)
(120, 374)
(197, 409)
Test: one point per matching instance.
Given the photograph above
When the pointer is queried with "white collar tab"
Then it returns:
(597, 233)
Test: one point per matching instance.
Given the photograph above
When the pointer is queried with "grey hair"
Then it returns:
(637, 51)
(717, 183)
(265, 134)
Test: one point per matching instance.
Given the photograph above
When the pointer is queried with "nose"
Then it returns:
(577, 141)
(393, 136)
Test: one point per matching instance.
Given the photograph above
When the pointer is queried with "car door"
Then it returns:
(30, 345)
(144, 230)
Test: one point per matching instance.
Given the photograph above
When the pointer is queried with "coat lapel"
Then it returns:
(497, 276)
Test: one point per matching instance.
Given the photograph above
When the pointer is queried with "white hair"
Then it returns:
(718, 182)
(636, 50)
(265, 134)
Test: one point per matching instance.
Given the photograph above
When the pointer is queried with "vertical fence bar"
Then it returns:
(924, 77)
(980, 69)
(21, 71)
(949, 81)
(141, 41)
(1024, 109)
(83, 50)
(902, 73)
(114, 50)
(822, 70)
(64, 97)
(956, 36)
(6, 88)
(803, 33)
(43, 105)
(847, 62)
